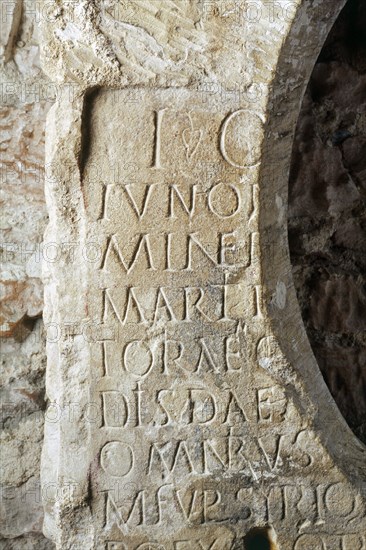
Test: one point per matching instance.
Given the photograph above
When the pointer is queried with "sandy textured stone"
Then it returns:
(25, 98)
(11, 13)
(187, 409)
(22, 420)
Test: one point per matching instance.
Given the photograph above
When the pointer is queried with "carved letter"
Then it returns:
(157, 141)
(117, 458)
(143, 243)
(173, 190)
(140, 212)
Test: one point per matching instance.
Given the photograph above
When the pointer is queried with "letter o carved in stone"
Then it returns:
(240, 138)
(117, 458)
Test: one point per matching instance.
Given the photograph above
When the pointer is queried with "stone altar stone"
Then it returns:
(181, 416)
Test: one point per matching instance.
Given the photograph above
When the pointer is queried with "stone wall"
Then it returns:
(26, 96)
(326, 224)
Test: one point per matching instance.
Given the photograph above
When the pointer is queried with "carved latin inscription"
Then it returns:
(178, 248)
(189, 422)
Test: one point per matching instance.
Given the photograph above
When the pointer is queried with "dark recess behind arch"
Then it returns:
(327, 213)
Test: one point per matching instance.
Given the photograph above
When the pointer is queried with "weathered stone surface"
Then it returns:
(11, 13)
(26, 95)
(28, 542)
(25, 98)
(22, 419)
(190, 410)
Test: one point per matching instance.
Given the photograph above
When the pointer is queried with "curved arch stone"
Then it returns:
(181, 345)
(294, 67)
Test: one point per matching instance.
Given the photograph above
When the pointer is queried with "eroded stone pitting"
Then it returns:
(208, 420)
(271, 466)
(26, 95)
(327, 213)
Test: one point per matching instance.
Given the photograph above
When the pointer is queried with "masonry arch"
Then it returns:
(308, 32)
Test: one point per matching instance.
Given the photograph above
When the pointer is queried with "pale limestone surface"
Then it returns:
(187, 405)
(26, 95)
